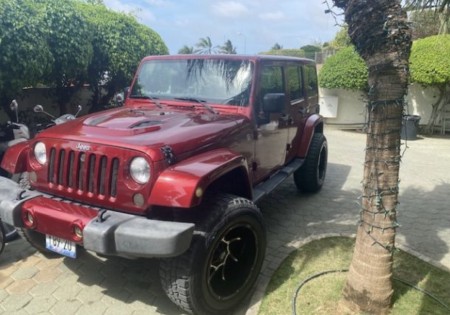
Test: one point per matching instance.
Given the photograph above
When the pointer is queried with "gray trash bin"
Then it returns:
(410, 125)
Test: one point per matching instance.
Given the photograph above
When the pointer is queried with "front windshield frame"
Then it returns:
(214, 81)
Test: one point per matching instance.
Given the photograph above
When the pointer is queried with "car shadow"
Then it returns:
(125, 280)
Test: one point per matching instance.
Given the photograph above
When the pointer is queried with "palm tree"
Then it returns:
(186, 50)
(380, 32)
(227, 48)
(205, 46)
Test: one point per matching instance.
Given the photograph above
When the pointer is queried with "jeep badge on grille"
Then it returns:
(83, 147)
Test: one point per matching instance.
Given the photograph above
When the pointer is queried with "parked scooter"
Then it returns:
(55, 120)
(10, 134)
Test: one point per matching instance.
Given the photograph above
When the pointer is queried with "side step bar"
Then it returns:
(276, 179)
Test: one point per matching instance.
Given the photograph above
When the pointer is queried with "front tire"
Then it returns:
(219, 270)
(311, 175)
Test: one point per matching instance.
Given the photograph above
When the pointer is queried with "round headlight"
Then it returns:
(140, 170)
(40, 152)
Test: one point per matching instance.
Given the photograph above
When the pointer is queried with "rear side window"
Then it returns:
(272, 80)
(294, 80)
(311, 85)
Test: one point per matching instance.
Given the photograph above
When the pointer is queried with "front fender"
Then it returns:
(15, 158)
(184, 184)
(312, 125)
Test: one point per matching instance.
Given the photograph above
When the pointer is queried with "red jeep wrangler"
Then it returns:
(175, 172)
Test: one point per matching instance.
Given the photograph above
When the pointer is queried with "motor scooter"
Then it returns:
(11, 133)
(55, 120)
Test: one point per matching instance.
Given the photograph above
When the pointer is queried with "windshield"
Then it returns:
(216, 81)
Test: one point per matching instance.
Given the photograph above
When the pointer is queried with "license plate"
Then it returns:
(61, 246)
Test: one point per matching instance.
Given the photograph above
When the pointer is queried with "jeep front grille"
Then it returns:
(85, 172)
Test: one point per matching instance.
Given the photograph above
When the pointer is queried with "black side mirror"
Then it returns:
(274, 102)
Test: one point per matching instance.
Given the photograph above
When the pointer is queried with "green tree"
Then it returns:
(341, 40)
(430, 66)
(380, 32)
(25, 56)
(70, 43)
(187, 50)
(119, 43)
(344, 70)
(276, 47)
(227, 48)
(310, 51)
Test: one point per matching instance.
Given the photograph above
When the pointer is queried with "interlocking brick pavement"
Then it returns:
(31, 283)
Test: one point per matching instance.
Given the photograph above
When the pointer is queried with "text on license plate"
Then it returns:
(61, 246)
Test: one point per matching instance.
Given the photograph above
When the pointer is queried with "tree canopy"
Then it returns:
(430, 61)
(430, 66)
(25, 54)
(341, 40)
(68, 43)
(344, 70)
(119, 42)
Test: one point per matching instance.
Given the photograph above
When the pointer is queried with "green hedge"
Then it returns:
(429, 65)
(430, 60)
(344, 70)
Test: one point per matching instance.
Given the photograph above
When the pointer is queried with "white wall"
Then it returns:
(351, 107)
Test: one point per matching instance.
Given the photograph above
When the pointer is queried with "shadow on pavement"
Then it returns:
(124, 280)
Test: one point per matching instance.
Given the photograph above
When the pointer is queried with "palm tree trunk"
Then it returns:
(368, 286)
(381, 35)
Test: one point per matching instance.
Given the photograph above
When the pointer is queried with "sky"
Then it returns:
(253, 26)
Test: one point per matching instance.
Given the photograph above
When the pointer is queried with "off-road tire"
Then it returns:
(223, 263)
(311, 175)
(37, 240)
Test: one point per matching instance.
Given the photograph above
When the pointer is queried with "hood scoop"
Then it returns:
(145, 123)
(127, 122)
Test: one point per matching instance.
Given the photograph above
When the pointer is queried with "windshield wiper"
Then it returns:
(199, 101)
(146, 97)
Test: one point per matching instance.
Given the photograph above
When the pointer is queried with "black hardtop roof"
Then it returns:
(231, 57)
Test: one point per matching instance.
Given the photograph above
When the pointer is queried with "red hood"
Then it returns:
(184, 130)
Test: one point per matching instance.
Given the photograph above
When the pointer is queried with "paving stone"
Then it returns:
(44, 289)
(15, 302)
(29, 281)
(70, 306)
(24, 272)
(97, 307)
(21, 286)
(40, 305)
